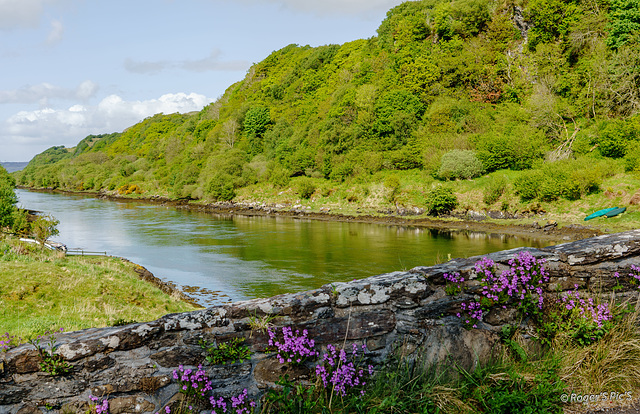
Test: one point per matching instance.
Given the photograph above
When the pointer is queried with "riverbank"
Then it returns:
(44, 290)
(539, 224)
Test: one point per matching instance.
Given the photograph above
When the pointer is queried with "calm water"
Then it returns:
(225, 259)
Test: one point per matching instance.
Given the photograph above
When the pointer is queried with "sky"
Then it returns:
(71, 68)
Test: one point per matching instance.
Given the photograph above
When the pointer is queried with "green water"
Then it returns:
(220, 259)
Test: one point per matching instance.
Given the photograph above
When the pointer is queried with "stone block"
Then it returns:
(129, 405)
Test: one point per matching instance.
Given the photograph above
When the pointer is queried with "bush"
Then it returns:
(615, 138)
(517, 148)
(278, 177)
(405, 159)
(221, 188)
(441, 200)
(306, 188)
(128, 189)
(570, 179)
(460, 164)
(632, 158)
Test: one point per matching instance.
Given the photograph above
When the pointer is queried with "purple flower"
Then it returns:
(339, 371)
(294, 348)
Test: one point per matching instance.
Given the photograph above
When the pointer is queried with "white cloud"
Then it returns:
(19, 14)
(213, 62)
(43, 92)
(48, 127)
(56, 33)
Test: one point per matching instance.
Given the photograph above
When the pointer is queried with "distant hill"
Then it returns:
(13, 166)
(447, 90)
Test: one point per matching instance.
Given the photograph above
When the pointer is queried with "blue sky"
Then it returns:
(70, 68)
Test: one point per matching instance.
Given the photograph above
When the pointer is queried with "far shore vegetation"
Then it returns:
(524, 107)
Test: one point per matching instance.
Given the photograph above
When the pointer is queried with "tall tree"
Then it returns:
(8, 198)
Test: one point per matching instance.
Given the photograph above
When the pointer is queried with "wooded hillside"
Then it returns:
(446, 90)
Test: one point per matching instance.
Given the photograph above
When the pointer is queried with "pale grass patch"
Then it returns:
(110, 310)
(80, 309)
(447, 400)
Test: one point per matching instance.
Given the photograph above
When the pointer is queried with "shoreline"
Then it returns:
(548, 231)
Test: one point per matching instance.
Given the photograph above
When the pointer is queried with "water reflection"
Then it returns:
(224, 258)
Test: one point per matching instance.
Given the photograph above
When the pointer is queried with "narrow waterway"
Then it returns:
(220, 259)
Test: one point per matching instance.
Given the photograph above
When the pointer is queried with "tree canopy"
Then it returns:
(507, 81)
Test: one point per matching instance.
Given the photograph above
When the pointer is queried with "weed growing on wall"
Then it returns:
(226, 352)
(52, 363)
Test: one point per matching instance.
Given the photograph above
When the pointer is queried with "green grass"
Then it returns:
(44, 290)
(368, 195)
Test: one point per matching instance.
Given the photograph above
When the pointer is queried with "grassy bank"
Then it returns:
(43, 290)
(496, 191)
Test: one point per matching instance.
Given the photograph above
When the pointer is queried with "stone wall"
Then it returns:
(406, 312)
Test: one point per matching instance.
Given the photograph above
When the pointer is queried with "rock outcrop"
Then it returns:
(401, 312)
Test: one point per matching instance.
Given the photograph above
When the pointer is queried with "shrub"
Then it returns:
(306, 188)
(405, 159)
(632, 158)
(460, 164)
(516, 149)
(128, 189)
(441, 200)
(536, 185)
(570, 179)
(221, 188)
(278, 177)
(615, 137)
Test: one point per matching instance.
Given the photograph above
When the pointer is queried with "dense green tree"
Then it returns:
(397, 113)
(552, 19)
(624, 22)
(8, 198)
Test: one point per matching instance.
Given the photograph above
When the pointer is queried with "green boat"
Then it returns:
(615, 212)
(600, 213)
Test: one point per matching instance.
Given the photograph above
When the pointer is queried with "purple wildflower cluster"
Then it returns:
(239, 404)
(522, 282)
(454, 279)
(99, 407)
(195, 383)
(167, 410)
(340, 371)
(292, 348)
(587, 309)
(7, 342)
(634, 277)
(473, 311)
